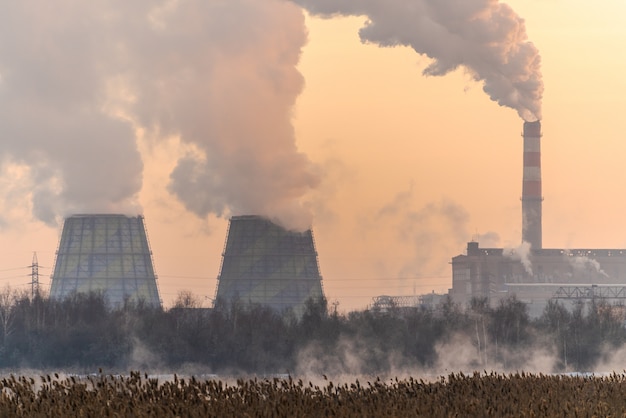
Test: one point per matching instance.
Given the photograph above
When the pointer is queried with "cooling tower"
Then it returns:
(531, 189)
(266, 264)
(108, 254)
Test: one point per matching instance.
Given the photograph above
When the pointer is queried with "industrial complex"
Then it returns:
(530, 272)
(266, 264)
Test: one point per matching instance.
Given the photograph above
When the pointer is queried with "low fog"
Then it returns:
(82, 334)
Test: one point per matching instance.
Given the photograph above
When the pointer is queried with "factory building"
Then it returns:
(530, 272)
(108, 254)
(266, 264)
(536, 277)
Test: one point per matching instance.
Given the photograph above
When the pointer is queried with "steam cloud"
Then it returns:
(586, 264)
(78, 79)
(522, 254)
(484, 36)
(431, 233)
(53, 70)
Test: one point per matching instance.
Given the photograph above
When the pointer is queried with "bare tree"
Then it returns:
(8, 299)
(186, 299)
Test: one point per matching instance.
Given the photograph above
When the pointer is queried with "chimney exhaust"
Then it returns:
(531, 188)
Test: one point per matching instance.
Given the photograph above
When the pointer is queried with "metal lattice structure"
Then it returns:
(384, 302)
(266, 264)
(108, 254)
(584, 292)
(34, 277)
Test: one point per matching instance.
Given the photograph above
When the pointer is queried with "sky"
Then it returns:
(208, 109)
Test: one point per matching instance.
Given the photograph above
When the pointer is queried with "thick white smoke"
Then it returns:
(485, 37)
(78, 78)
(521, 254)
(223, 76)
(54, 68)
(585, 265)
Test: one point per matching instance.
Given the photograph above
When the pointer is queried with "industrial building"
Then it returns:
(108, 254)
(266, 264)
(574, 274)
(530, 272)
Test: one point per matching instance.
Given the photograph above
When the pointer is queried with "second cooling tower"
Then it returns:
(268, 265)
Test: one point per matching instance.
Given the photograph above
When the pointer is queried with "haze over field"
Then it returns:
(378, 125)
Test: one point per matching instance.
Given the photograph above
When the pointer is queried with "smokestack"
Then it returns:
(531, 188)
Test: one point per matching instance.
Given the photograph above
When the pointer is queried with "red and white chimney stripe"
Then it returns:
(531, 188)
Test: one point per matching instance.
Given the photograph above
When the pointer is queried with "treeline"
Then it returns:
(83, 334)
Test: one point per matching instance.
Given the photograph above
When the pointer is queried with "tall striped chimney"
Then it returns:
(531, 188)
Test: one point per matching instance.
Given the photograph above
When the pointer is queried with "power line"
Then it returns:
(15, 268)
(185, 277)
(327, 280)
(14, 277)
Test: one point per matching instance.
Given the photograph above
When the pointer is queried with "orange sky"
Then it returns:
(414, 166)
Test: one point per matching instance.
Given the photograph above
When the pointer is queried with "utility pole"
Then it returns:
(34, 275)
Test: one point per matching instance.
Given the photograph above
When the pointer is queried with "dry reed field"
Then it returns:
(456, 395)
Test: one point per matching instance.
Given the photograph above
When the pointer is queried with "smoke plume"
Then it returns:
(427, 234)
(53, 69)
(79, 79)
(485, 37)
(521, 253)
(585, 265)
(223, 76)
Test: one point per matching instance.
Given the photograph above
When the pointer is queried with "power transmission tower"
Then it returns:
(34, 275)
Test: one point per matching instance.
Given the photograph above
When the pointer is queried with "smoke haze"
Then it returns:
(429, 234)
(225, 80)
(52, 122)
(521, 253)
(582, 264)
(485, 37)
(79, 80)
